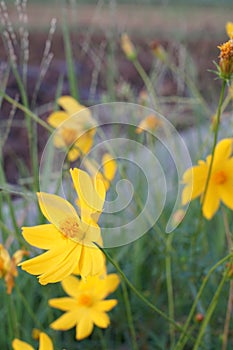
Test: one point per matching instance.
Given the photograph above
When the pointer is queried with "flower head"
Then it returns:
(109, 166)
(226, 59)
(150, 123)
(75, 127)
(8, 266)
(128, 47)
(85, 305)
(68, 238)
(45, 343)
(220, 186)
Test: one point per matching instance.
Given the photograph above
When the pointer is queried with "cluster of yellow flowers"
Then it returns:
(69, 238)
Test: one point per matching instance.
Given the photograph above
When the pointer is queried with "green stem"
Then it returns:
(102, 340)
(170, 287)
(209, 312)
(182, 340)
(219, 111)
(129, 316)
(140, 295)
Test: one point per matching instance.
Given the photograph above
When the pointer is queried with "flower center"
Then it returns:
(71, 229)
(85, 300)
(220, 177)
(69, 136)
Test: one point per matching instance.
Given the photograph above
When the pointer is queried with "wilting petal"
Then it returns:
(99, 318)
(105, 305)
(64, 304)
(84, 327)
(21, 345)
(43, 236)
(57, 118)
(56, 209)
(211, 202)
(66, 321)
(71, 286)
(45, 342)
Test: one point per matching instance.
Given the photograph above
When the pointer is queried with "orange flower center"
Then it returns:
(226, 50)
(220, 177)
(85, 300)
(70, 229)
(69, 136)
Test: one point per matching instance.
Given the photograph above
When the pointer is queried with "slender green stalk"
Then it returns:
(102, 340)
(218, 116)
(171, 311)
(129, 315)
(139, 294)
(27, 111)
(69, 60)
(182, 340)
(210, 311)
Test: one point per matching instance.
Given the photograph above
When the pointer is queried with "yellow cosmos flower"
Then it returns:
(86, 305)
(68, 238)
(77, 132)
(45, 343)
(108, 173)
(8, 266)
(220, 186)
(150, 123)
(229, 29)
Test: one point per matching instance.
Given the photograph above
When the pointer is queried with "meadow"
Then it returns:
(116, 185)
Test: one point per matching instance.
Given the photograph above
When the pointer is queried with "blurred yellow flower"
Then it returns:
(150, 123)
(220, 186)
(229, 29)
(75, 132)
(158, 50)
(8, 266)
(109, 166)
(128, 47)
(68, 239)
(86, 305)
(45, 343)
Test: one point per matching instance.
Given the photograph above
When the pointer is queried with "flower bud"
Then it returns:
(158, 51)
(128, 47)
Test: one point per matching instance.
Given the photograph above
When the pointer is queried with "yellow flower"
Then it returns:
(220, 186)
(45, 343)
(68, 239)
(86, 305)
(128, 47)
(8, 269)
(77, 132)
(150, 123)
(109, 169)
(229, 29)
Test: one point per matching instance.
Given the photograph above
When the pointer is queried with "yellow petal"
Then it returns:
(91, 261)
(109, 166)
(21, 345)
(84, 328)
(45, 342)
(107, 285)
(105, 305)
(66, 321)
(57, 118)
(225, 193)
(70, 105)
(56, 209)
(99, 318)
(43, 236)
(195, 180)
(223, 151)
(71, 286)
(63, 304)
(211, 202)
(229, 29)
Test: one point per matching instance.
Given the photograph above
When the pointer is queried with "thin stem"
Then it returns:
(129, 316)
(209, 312)
(219, 111)
(170, 287)
(102, 340)
(139, 294)
(182, 340)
